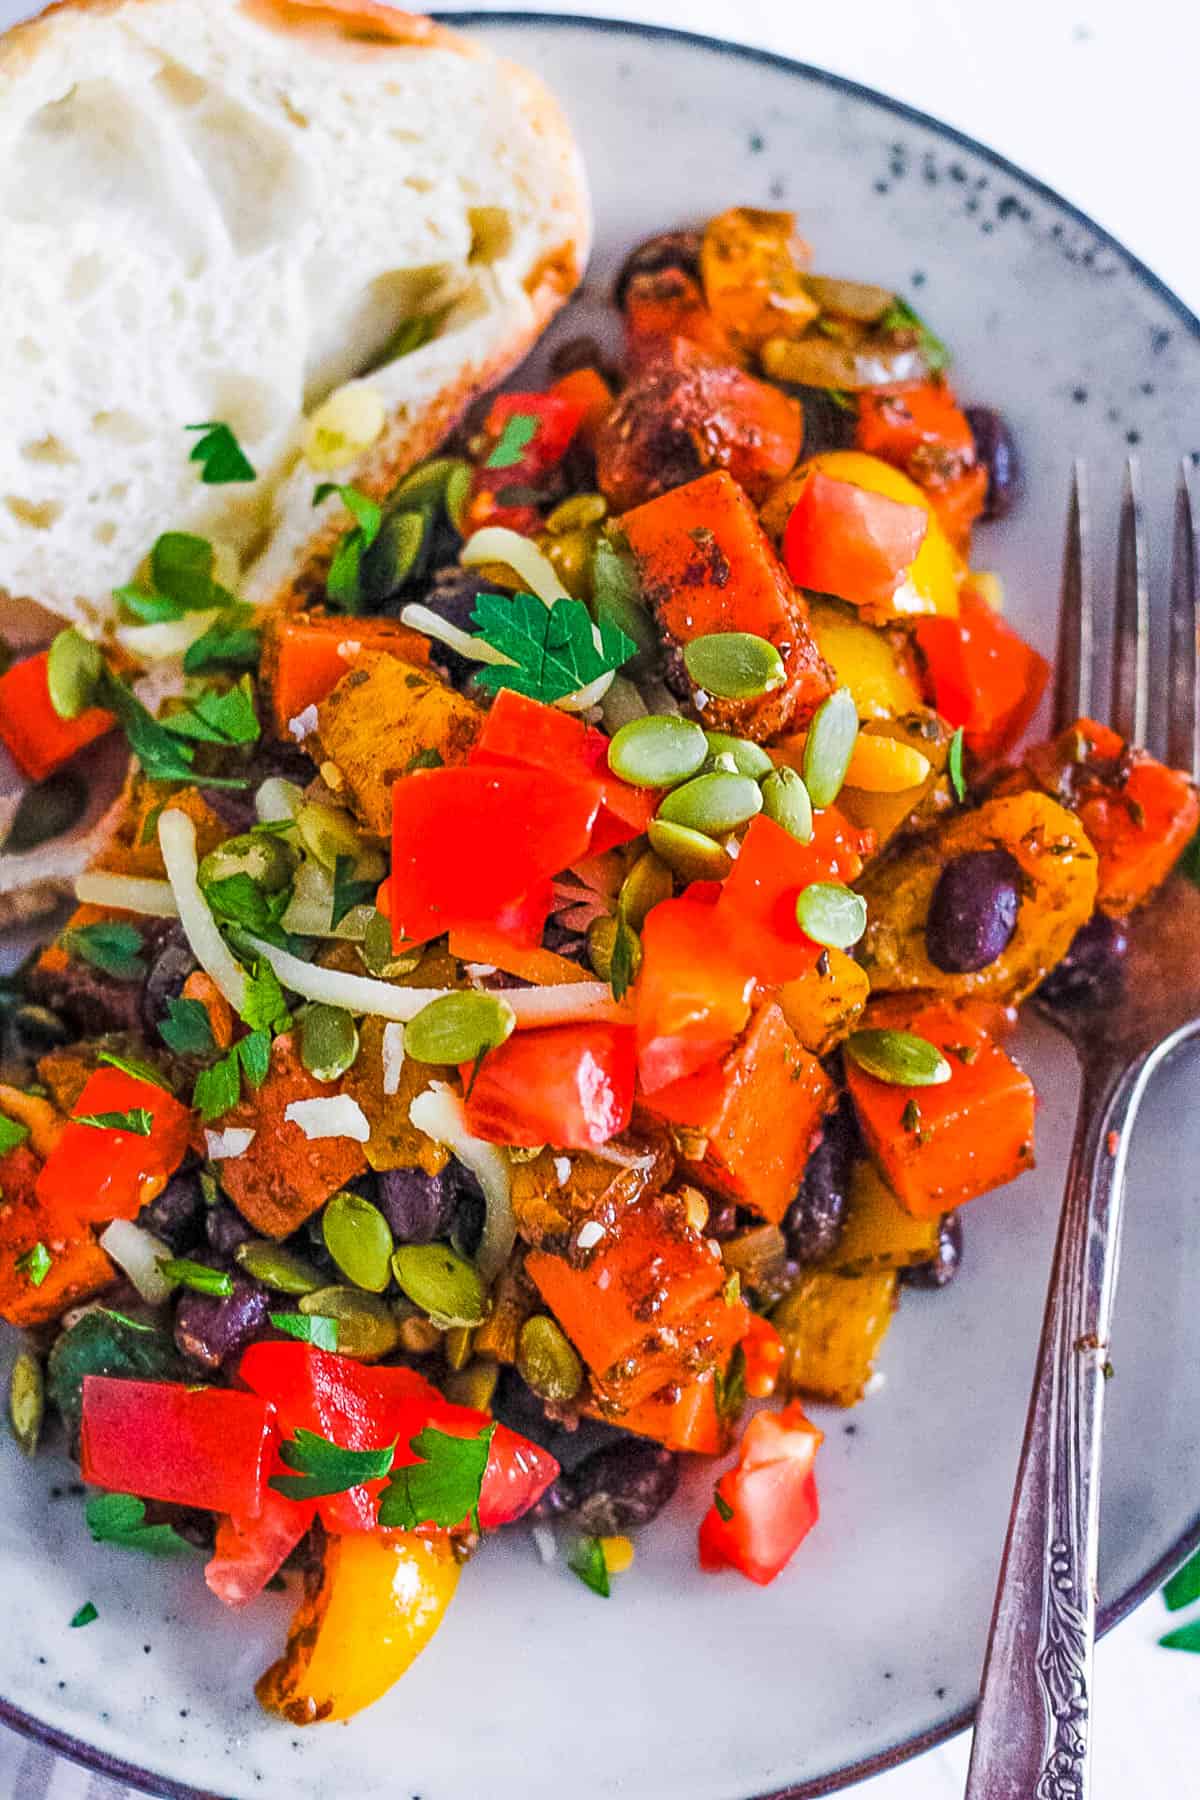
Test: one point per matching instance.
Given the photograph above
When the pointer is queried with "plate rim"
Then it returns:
(132, 1775)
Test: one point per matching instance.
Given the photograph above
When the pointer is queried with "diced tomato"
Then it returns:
(939, 1146)
(758, 901)
(523, 733)
(205, 1447)
(38, 740)
(982, 675)
(101, 1172)
(693, 992)
(78, 1266)
(249, 1552)
(566, 1085)
(304, 656)
(764, 1352)
(770, 1497)
(841, 539)
(468, 843)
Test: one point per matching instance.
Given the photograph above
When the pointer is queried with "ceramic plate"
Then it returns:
(685, 1686)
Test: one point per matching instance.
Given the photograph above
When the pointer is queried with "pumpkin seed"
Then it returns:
(547, 1360)
(734, 665)
(601, 940)
(377, 953)
(458, 1028)
(456, 496)
(367, 1327)
(576, 513)
(47, 810)
(457, 1346)
(713, 804)
(690, 854)
(267, 860)
(426, 484)
(617, 598)
(831, 914)
(900, 1057)
(442, 1283)
(360, 1241)
(747, 758)
(829, 746)
(328, 1041)
(27, 1401)
(328, 832)
(785, 799)
(657, 752)
(647, 883)
(473, 1386)
(73, 670)
(277, 1268)
(394, 555)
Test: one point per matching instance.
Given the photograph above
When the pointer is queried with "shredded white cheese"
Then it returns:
(126, 893)
(137, 1252)
(177, 841)
(562, 1170)
(423, 618)
(330, 1116)
(440, 1114)
(223, 1146)
(393, 1058)
(304, 724)
(590, 1236)
(544, 1542)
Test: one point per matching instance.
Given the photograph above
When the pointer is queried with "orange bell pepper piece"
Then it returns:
(693, 993)
(305, 656)
(586, 390)
(982, 675)
(38, 740)
(110, 1171)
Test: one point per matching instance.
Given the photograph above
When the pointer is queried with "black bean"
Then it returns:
(225, 1229)
(813, 1222)
(470, 1210)
(944, 1265)
(176, 1215)
(211, 1330)
(565, 942)
(582, 353)
(516, 1405)
(418, 1207)
(996, 450)
(168, 971)
(35, 1029)
(452, 595)
(616, 1489)
(973, 912)
(668, 250)
(1093, 970)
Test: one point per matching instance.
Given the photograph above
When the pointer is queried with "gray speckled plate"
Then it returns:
(682, 1686)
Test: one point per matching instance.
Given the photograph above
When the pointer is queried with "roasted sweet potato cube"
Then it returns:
(832, 1326)
(305, 656)
(706, 565)
(757, 1111)
(939, 1146)
(395, 1142)
(554, 1194)
(78, 1267)
(381, 716)
(823, 1004)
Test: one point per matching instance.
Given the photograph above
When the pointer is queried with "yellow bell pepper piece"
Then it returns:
(865, 660)
(878, 765)
(382, 1595)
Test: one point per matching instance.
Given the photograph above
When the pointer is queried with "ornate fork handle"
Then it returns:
(1032, 1729)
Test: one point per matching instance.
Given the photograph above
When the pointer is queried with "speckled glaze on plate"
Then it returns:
(683, 1686)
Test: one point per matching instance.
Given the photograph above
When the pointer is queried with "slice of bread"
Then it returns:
(221, 210)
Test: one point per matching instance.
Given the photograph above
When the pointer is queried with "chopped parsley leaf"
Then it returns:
(347, 892)
(187, 1029)
(120, 1519)
(552, 648)
(138, 1121)
(132, 1065)
(724, 1510)
(36, 1264)
(342, 584)
(954, 763)
(586, 1559)
(519, 432)
(113, 946)
(309, 1328)
(221, 457)
(444, 1487)
(197, 1276)
(85, 1616)
(324, 1468)
(12, 1133)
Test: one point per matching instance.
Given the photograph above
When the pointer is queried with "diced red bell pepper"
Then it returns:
(566, 1085)
(469, 843)
(939, 1146)
(249, 1552)
(98, 1172)
(78, 1266)
(770, 1497)
(547, 422)
(205, 1447)
(758, 901)
(304, 657)
(1139, 815)
(38, 740)
(982, 675)
(841, 539)
(764, 1352)
(523, 733)
(758, 1110)
(693, 992)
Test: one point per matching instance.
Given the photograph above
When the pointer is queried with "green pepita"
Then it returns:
(785, 799)
(269, 861)
(714, 804)
(576, 513)
(328, 1041)
(458, 1028)
(690, 854)
(328, 832)
(617, 598)
(73, 670)
(601, 940)
(457, 1346)
(46, 811)
(734, 665)
(442, 1283)
(394, 555)
(426, 484)
(473, 1386)
(27, 1401)
(547, 1360)
(829, 746)
(275, 1267)
(657, 752)
(899, 1057)
(367, 1327)
(647, 883)
(831, 914)
(747, 758)
(377, 953)
(360, 1241)
(458, 492)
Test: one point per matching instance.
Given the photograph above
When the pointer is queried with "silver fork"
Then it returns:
(1033, 1725)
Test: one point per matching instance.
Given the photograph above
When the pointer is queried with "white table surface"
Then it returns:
(1095, 97)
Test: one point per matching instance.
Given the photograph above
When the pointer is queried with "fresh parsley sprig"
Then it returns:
(113, 946)
(138, 1121)
(120, 1519)
(343, 583)
(323, 1468)
(553, 649)
(444, 1487)
(221, 457)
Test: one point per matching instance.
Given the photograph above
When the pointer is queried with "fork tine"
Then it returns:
(1073, 663)
(1183, 702)
(1129, 706)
